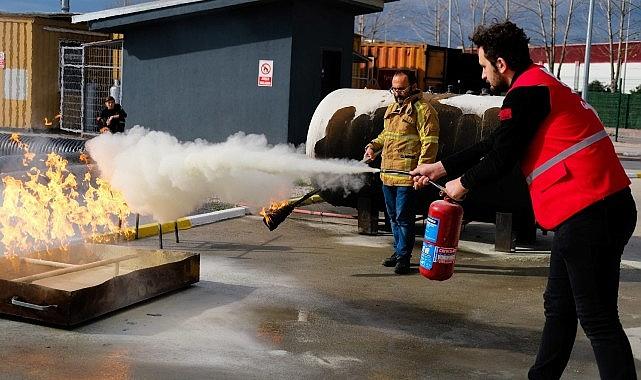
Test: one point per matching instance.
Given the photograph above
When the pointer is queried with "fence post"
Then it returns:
(627, 110)
(616, 133)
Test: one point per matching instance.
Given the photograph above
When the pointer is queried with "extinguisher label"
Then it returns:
(445, 255)
(431, 228)
(427, 256)
(431, 254)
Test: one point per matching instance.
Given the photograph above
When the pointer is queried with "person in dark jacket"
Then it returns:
(112, 117)
(578, 189)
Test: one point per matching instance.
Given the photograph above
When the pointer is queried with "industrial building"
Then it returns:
(574, 63)
(30, 46)
(207, 68)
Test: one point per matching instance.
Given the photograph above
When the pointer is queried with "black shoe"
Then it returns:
(390, 261)
(402, 266)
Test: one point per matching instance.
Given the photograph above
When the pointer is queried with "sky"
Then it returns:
(405, 20)
(77, 6)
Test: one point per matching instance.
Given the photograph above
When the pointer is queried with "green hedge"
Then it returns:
(627, 107)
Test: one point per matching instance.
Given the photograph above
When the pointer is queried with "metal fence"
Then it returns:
(89, 74)
(617, 110)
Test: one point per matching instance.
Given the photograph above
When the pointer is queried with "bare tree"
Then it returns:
(566, 34)
(428, 21)
(484, 11)
(616, 12)
(548, 14)
(374, 26)
(460, 24)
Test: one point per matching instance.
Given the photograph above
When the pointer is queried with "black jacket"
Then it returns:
(495, 156)
(117, 125)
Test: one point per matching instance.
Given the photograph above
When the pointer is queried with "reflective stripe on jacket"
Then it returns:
(409, 138)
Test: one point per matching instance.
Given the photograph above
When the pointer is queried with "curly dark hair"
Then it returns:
(504, 40)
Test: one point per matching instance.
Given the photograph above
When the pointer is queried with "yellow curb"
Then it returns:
(633, 174)
(151, 229)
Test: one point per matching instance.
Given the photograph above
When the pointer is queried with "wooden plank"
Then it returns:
(78, 268)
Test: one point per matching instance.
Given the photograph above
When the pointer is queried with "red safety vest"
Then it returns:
(570, 164)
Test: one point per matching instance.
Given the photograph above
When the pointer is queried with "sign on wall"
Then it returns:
(265, 73)
(15, 84)
(2, 60)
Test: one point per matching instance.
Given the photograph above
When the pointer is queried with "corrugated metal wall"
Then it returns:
(398, 56)
(29, 82)
(47, 35)
(15, 78)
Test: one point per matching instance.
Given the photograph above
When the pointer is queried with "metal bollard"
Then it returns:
(176, 231)
(160, 235)
(137, 225)
(504, 239)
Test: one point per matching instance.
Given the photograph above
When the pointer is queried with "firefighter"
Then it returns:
(578, 188)
(409, 138)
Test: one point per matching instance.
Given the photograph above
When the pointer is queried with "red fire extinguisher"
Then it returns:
(442, 231)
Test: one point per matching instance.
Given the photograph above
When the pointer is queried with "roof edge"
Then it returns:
(158, 5)
(131, 9)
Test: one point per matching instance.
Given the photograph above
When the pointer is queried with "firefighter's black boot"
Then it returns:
(390, 261)
(402, 266)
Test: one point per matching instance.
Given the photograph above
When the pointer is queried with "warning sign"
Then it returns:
(265, 73)
(2, 60)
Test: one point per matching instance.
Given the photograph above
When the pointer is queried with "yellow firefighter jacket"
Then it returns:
(409, 138)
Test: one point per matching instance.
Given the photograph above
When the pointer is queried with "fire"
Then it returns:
(28, 156)
(50, 123)
(276, 213)
(275, 205)
(84, 157)
(46, 209)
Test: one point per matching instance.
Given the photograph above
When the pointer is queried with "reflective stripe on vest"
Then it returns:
(565, 154)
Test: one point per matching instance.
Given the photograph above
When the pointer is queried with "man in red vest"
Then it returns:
(578, 188)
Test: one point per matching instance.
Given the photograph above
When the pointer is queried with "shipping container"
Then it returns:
(29, 65)
(436, 68)
(391, 57)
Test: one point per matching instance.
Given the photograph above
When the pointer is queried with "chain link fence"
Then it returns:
(89, 74)
(617, 110)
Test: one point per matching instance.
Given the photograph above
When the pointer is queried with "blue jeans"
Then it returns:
(399, 202)
(583, 284)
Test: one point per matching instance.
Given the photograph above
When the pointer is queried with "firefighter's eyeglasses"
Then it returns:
(403, 90)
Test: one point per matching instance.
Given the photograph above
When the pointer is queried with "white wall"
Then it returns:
(600, 72)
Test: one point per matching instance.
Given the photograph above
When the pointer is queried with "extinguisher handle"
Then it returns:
(442, 188)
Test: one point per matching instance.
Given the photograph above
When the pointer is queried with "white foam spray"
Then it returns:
(163, 177)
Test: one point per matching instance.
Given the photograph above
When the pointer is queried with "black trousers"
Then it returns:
(583, 283)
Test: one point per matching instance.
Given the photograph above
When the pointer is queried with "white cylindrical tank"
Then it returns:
(114, 91)
(347, 119)
(364, 102)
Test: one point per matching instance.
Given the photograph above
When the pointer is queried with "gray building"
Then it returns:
(191, 67)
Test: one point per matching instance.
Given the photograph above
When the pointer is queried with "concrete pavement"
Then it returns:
(311, 300)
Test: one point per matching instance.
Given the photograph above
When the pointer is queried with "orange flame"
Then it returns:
(28, 156)
(84, 157)
(50, 123)
(47, 210)
(275, 205)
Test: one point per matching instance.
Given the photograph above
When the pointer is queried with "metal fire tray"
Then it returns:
(65, 288)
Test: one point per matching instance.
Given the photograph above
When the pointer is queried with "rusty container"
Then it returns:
(66, 288)
(390, 57)
(29, 65)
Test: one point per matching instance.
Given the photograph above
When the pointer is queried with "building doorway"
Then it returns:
(330, 71)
